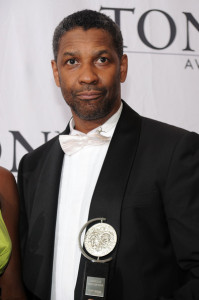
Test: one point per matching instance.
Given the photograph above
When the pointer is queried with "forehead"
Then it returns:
(87, 40)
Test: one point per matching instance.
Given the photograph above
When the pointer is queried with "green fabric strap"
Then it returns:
(5, 245)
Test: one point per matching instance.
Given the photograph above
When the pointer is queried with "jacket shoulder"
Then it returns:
(37, 156)
(42, 148)
(164, 139)
(163, 129)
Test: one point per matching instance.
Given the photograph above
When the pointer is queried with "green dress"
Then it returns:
(5, 245)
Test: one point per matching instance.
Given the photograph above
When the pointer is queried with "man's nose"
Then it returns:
(88, 75)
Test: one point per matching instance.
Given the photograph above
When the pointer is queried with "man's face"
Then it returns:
(89, 71)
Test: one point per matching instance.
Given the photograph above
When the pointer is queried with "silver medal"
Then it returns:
(100, 239)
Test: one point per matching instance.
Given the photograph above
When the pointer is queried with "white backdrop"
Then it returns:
(162, 43)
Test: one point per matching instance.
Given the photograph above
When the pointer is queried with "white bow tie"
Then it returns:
(71, 144)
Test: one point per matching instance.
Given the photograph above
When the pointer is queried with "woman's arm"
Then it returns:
(10, 281)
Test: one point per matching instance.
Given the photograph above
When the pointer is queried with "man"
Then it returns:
(140, 175)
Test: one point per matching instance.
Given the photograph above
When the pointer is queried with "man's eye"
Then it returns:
(71, 61)
(102, 59)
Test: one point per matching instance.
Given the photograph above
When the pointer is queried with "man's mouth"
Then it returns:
(89, 95)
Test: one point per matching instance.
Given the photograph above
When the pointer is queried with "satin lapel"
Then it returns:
(43, 221)
(111, 185)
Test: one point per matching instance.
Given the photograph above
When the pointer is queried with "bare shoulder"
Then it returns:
(7, 179)
(8, 188)
(5, 174)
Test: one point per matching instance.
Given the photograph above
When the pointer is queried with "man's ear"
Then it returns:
(55, 72)
(123, 67)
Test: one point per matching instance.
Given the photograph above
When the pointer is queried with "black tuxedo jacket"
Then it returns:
(148, 190)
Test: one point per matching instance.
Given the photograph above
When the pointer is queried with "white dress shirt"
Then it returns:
(80, 172)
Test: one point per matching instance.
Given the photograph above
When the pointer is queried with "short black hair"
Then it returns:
(88, 19)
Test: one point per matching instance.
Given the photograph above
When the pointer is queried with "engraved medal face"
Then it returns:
(100, 239)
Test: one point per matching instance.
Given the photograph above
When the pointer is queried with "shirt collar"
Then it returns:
(105, 129)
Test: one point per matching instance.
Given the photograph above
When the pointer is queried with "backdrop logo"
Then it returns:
(19, 142)
(189, 24)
